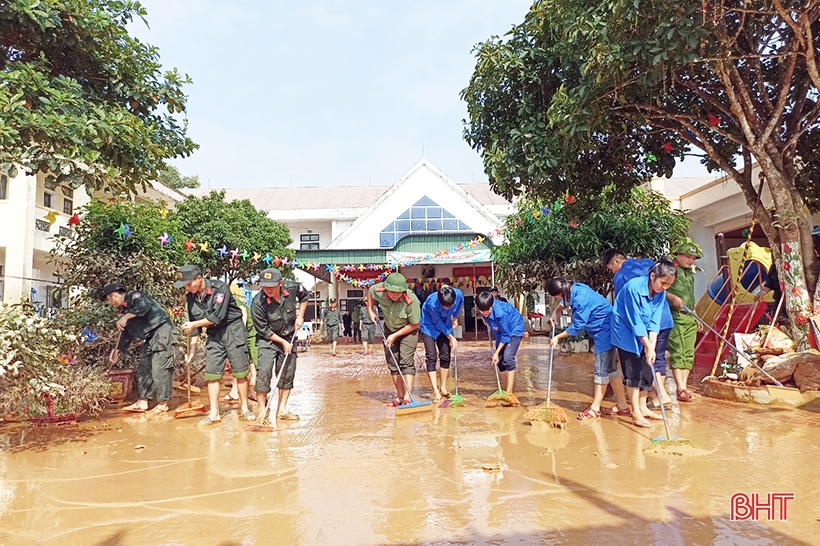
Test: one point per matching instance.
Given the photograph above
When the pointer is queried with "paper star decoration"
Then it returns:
(573, 224)
(223, 251)
(650, 158)
(51, 217)
(88, 335)
(256, 256)
(163, 212)
(285, 261)
(234, 254)
(245, 254)
(189, 245)
(714, 121)
(165, 239)
(267, 259)
(667, 146)
(122, 231)
(203, 247)
(569, 198)
(74, 220)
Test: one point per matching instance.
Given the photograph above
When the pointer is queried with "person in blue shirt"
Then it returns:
(625, 269)
(506, 325)
(439, 315)
(591, 313)
(636, 321)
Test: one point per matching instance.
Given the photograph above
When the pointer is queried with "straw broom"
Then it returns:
(547, 412)
(189, 409)
(499, 398)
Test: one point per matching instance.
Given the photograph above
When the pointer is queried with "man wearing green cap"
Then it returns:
(211, 305)
(402, 315)
(682, 294)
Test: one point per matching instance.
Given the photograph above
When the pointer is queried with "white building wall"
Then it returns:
(421, 181)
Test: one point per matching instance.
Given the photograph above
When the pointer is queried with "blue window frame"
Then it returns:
(425, 216)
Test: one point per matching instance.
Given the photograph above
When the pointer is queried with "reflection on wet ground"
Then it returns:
(351, 472)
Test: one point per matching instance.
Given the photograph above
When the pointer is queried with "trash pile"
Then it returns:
(773, 351)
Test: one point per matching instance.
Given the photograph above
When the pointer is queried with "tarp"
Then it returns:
(480, 254)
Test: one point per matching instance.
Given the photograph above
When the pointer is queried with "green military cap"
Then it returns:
(395, 282)
(186, 274)
(689, 247)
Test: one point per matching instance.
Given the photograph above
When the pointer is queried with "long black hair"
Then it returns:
(557, 285)
(662, 269)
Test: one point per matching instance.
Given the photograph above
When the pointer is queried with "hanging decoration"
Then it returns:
(124, 231)
(51, 217)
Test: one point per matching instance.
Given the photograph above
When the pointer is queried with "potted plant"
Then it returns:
(40, 378)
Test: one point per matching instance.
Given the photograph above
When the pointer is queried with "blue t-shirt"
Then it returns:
(640, 268)
(435, 319)
(505, 322)
(590, 313)
(635, 314)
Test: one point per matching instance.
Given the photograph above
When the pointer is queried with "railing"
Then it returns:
(42, 225)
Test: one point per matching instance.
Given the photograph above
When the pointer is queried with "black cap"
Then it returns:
(332, 300)
(270, 277)
(111, 288)
(494, 289)
(186, 274)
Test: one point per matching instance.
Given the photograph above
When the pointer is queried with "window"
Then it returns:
(308, 246)
(68, 192)
(355, 293)
(48, 199)
(4, 187)
(309, 237)
(68, 206)
(309, 241)
(426, 216)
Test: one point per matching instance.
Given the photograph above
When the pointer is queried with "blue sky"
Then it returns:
(326, 92)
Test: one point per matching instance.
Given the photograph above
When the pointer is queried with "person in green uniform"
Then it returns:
(367, 329)
(355, 321)
(278, 310)
(333, 318)
(211, 305)
(682, 338)
(143, 318)
(402, 315)
(233, 396)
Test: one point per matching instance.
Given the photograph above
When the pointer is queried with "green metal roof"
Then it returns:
(424, 244)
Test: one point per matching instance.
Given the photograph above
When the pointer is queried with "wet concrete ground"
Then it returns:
(351, 472)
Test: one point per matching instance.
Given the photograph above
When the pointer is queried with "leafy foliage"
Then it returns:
(171, 177)
(235, 225)
(540, 246)
(84, 100)
(735, 83)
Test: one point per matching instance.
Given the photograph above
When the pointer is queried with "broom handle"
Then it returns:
(188, 371)
(492, 352)
(278, 377)
(455, 368)
(774, 320)
(660, 403)
(552, 351)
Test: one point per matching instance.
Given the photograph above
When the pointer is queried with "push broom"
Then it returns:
(456, 399)
(499, 397)
(547, 412)
(670, 445)
(189, 409)
(260, 425)
(778, 389)
(414, 406)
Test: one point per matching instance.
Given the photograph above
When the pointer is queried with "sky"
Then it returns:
(328, 92)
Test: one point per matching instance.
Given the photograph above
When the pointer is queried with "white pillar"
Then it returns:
(18, 237)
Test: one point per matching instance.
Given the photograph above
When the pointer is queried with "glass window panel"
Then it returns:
(400, 236)
(447, 214)
(405, 214)
(390, 227)
(451, 225)
(387, 240)
(434, 224)
(402, 225)
(417, 212)
(462, 226)
(419, 225)
(426, 202)
(434, 212)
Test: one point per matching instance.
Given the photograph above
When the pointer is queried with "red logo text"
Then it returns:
(774, 506)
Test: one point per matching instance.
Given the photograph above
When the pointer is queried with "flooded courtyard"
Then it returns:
(352, 473)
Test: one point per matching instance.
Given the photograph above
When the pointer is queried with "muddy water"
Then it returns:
(351, 472)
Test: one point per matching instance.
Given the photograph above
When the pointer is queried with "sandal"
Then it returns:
(445, 394)
(134, 408)
(616, 411)
(589, 413)
(396, 402)
(158, 409)
(288, 416)
(207, 421)
(249, 416)
(643, 423)
(684, 396)
(229, 398)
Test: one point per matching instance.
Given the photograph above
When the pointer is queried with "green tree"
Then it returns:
(237, 226)
(82, 99)
(171, 177)
(582, 94)
(543, 242)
